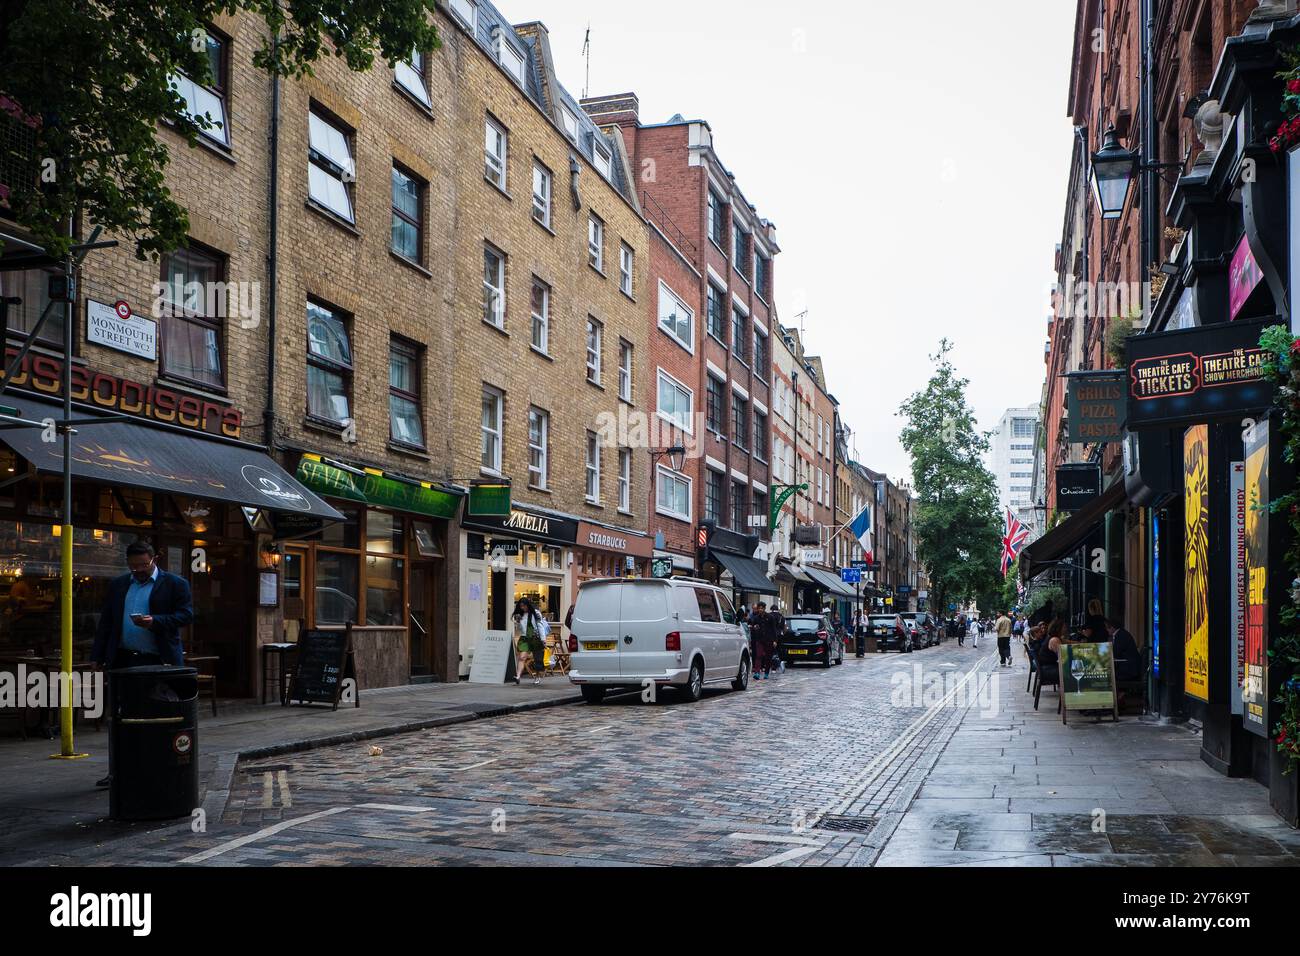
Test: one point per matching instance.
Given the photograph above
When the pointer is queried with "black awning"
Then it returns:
(157, 459)
(830, 582)
(750, 575)
(795, 574)
(1048, 550)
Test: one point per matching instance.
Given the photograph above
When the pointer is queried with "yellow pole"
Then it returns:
(65, 675)
(66, 703)
(65, 668)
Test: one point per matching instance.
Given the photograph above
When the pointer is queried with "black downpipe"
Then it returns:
(1151, 214)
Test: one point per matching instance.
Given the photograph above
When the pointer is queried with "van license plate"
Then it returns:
(600, 645)
(793, 651)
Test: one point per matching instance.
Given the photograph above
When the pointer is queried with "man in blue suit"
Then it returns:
(142, 618)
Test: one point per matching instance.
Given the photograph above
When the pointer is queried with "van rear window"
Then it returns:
(645, 602)
(598, 603)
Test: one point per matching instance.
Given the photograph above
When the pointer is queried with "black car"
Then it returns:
(810, 637)
(881, 627)
(924, 633)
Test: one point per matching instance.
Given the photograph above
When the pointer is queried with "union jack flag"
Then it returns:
(1014, 540)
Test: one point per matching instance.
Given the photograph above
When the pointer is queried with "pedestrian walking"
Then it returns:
(1004, 627)
(760, 629)
(531, 630)
(979, 632)
(142, 619)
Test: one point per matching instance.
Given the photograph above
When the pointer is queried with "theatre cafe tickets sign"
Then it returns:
(1197, 375)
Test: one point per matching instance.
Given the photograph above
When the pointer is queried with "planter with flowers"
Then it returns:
(1288, 133)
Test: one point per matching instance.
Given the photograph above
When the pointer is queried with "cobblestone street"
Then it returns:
(758, 777)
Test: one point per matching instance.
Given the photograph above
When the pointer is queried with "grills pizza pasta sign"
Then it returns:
(1196, 375)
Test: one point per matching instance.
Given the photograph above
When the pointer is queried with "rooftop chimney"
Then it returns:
(622, 109)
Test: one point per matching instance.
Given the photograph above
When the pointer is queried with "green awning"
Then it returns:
(373, 487)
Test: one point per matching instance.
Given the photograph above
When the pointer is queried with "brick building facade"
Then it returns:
(693, 202)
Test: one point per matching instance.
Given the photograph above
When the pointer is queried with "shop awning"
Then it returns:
(370, 486)
(750, 575)
(157, 459)
(831, 582)
(794, 574)
(1048, 550)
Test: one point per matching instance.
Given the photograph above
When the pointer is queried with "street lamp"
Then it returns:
(1113, 170)
(676, 457)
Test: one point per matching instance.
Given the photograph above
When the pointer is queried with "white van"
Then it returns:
(678, 632)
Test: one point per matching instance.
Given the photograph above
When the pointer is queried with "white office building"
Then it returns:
(1012, 463)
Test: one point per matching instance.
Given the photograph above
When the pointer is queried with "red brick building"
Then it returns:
(715, 257)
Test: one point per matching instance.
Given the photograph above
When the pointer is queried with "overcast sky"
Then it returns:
(913, 157)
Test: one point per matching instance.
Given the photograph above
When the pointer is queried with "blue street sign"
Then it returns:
(851, 575)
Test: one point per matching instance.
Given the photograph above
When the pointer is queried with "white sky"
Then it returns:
(913, 156)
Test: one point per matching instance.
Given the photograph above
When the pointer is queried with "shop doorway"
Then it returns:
(420, 619)
(222, 615)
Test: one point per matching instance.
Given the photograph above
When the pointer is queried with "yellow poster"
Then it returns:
(1196, 576)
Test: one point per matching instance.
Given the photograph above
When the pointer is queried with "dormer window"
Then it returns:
(509, 58)
(570, 121)
(601, 159)
(467, 11)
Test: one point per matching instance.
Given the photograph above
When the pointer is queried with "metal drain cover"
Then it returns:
(847, 824)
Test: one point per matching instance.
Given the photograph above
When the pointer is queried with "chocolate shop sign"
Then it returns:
(1196, 375)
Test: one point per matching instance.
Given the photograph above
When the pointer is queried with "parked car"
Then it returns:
(810, 637)
(922, 636)
(881, 627)
(627, 632)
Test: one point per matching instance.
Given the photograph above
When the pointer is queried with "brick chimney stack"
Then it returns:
(622, 109)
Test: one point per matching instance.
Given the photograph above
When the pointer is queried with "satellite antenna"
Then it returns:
(586, 53)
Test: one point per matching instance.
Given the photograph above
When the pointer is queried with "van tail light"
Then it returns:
(573, 643)
(673, 642)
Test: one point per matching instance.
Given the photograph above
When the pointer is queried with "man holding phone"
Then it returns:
(142, 618)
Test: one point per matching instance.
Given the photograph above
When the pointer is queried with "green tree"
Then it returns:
(90, 80)
(957, 527)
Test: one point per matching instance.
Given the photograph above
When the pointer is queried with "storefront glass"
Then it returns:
(336, 589)
(384, 587)
(207, 543)
(544, 593)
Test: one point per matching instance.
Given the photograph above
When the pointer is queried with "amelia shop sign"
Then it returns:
(1197, 375)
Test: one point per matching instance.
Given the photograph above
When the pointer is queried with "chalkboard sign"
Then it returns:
(324, 664)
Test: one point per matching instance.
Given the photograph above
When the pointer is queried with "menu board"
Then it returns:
(324, 662)
(1088, 678)
(494, 658)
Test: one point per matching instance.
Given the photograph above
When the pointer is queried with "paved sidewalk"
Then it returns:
(1019, 788)
(54, 804)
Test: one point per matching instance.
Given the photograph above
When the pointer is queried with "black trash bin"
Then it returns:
(153, 743)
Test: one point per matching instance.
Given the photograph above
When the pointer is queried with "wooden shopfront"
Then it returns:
(376, 568)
